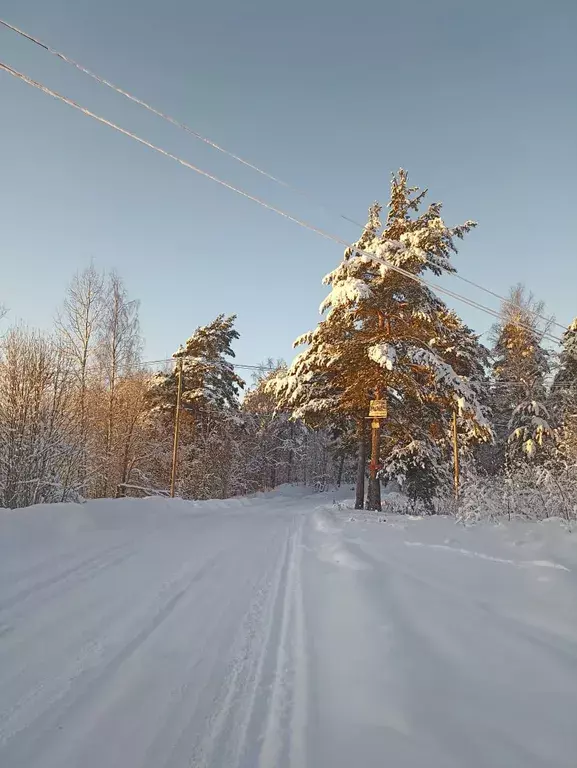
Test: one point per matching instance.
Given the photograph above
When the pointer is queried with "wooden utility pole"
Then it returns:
(374, 466)
(456, 455)
(176, 428)
(377, 411)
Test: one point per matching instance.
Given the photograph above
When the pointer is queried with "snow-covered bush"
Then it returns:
(531, 492)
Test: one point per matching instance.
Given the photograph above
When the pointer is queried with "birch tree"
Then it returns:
(79, 325)
(118, 352)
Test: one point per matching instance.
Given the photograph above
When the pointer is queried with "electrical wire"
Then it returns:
(172, 120)
(234, 365)
(156, 148)
(259, 201)
(491, 382)
(238, 158)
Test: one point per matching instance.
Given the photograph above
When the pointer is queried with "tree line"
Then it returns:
(82, 417)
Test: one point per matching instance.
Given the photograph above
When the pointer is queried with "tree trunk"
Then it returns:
(126, 454)
(340, 470)
(374, 495)
(290, 456)
(108, 449)
(362, 460)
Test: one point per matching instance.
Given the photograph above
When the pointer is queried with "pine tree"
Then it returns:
(208, 377)
(210, 401)
(385, 333)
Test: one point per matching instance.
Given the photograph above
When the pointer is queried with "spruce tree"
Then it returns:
(563, 396)
(520, 366)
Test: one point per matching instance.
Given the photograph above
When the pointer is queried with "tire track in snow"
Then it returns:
(234, 732)
(284, 742)
(258, 721)
(90, 565)
(88, 680)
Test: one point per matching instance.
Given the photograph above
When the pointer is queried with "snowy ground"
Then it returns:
(276, 632)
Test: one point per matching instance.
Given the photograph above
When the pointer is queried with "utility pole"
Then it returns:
(176, 428)
(377, 411)
(374, 497)
(456, 455)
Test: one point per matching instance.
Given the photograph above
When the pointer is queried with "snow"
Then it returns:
(345, 292)
(383, 354)
(283, 630)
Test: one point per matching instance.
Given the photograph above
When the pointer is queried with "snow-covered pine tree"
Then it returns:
(210, 401)
(520, 366)
(209, 378)
(385, 332)
(563, 395)
(434, 362)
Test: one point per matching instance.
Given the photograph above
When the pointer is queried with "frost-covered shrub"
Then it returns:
(530, 492)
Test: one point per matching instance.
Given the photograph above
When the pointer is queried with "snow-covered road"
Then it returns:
(277, 633)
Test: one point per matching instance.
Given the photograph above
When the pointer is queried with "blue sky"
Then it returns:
(477, 100)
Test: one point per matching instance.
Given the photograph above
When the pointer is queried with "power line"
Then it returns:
(234, 365)
(156, 148)
(259, 201)
(491, 381)
(238, 158)
(172, 120)
(548, 320)
(255, 199)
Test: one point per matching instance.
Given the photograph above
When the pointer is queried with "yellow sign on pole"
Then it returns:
(378, 409)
